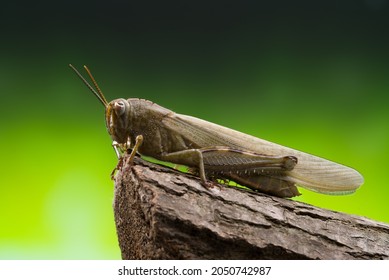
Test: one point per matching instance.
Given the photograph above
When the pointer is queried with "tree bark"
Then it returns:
(161, 213)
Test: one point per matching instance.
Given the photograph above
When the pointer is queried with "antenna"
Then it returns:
(99, 94)
(96, 85)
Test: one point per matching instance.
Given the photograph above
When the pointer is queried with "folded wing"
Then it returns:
(310, 172)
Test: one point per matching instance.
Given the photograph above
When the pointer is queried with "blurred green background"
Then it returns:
(312, 75)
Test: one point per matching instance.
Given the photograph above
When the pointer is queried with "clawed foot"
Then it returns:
(123, 161)
(117, 167)
(210, 185)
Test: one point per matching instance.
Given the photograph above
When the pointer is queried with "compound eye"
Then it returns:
(120, 107)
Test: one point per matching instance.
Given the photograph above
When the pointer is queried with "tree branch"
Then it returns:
(161, 213)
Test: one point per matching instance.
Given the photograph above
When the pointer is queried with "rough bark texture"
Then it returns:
(161, 213)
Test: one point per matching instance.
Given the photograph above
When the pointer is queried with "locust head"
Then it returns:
(117, 115)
